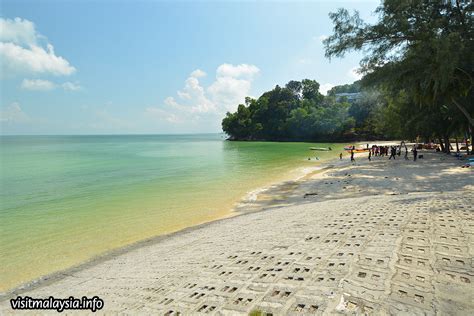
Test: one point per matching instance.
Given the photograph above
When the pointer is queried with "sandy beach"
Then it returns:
(385, 237)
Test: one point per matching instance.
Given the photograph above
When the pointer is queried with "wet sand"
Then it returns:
(383, 237)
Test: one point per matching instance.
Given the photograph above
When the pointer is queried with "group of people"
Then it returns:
(380, 151)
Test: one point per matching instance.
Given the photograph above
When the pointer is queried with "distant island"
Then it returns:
(299, 112)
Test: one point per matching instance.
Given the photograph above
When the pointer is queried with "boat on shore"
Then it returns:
(320, 148)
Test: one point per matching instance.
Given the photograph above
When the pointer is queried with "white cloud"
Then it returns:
(194, 97)
(46, 85)
(228, 92)
(242, 70)
(21, 52)
(198, 73)
(69, 86)
(354, 74)
(170, 101)
(37, 84)
(172, 104)
(232, 85)
(13, 114)
(195, 102)
(183, 95)
(17, 31)
(325, 87)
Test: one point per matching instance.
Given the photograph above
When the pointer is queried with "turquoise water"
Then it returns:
(66, 199)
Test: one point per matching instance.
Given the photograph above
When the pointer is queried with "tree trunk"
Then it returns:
(441, 144)
(447, 145)
(466, 139)
(472, 140)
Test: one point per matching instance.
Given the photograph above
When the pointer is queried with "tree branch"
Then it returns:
(464, 111)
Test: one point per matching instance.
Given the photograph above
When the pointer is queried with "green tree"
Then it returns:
(296, 112)
(423, 47)
(310, 90)
(346, 88)
(295, 87)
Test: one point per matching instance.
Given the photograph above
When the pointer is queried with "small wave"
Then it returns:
(299, 173)
(303, 172)
(252, 196)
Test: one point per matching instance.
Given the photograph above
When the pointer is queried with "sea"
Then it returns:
(67, 199)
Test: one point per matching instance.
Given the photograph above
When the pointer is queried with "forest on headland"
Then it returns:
(418, 80)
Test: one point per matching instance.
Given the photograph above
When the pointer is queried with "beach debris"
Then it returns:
(309, 194)
(344, 305)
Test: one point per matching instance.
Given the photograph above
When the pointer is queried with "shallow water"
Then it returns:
(66, 199)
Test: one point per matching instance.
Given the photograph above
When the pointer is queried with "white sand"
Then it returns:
(387, 237)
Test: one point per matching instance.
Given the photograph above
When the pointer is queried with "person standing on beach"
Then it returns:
(415, 153)
(370, 155)
(352, 154)
(393, 152)
(340, 156)
(406, 152)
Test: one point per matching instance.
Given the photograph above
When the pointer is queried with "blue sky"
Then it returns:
(119, 67)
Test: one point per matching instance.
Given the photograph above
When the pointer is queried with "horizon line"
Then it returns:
(131, 134)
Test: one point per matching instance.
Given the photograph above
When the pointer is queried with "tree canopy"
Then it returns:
(418, 80)
(296, 111)
(299, 111)
(420, 53)
(346, 88)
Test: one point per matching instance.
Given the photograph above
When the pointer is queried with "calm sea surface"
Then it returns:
(66, 199)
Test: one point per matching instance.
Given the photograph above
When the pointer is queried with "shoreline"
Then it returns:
(239, 208)
(378, 203)
(56, 276)
(271, 196)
